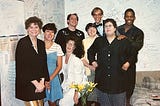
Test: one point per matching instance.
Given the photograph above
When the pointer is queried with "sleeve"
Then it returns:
(19, 61)
(45, 71)
(91, 53)
(59, 50)
(79, 70)
(82, 37)
(138, 41)
(60, 39)
(128, 51)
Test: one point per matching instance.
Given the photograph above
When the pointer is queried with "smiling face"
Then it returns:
(97, 15)
(33, 30)
(48, 35)
(70, 46)
(129, 18)
(72, 21)
(92, 31)
(109, 29)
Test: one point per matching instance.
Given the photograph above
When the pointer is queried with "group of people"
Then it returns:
(46, 69)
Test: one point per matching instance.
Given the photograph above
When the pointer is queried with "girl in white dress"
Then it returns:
(73, 70)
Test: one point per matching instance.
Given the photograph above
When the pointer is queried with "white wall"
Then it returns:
(13, 15)
(147, 18)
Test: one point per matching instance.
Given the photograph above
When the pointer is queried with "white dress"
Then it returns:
(74, 72)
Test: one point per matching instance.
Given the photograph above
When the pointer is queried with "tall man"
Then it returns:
(72, 21)
(97, 14)
(136, 37)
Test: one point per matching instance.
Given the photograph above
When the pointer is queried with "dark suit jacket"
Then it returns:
(30, 65)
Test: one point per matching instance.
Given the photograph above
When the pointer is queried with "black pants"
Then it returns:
(130, 81)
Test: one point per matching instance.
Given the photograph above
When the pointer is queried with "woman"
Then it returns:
(31, 65)
(73, 70)
(87, 42)
(113, 60)
(90, 69)
(54, 62)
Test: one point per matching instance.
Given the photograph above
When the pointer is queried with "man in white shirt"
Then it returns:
(97, 14)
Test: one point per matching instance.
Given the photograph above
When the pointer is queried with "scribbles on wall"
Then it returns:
(147, 18)
(47, 10)
(12, 17)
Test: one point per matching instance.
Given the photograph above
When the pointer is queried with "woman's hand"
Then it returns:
(94, 63)
(39, 85)
(47, 84)
(125, 66)
(91, 67)
(75, 98)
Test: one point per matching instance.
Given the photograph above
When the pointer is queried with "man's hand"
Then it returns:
(120, 37)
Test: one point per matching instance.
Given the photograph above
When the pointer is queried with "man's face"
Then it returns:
(97, 15)
(129, 18)
(72, 21)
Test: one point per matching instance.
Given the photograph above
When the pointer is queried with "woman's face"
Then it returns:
(92, 31)
(33, 30)
(48, 35)
(109, 29)
(70, 46)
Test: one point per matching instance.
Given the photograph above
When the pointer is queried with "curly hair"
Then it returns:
(79, 48)
(34, 20)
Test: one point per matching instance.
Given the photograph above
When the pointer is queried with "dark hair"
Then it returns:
(112, 21)
(34, 20)
(69, 15)
(95, 9)
(129, 10)
(50, 26)
(89, 25)
(79, 48)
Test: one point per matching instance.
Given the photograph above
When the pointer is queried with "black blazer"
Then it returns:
(30, 65)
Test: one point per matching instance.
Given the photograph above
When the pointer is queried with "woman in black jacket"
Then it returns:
(31, 65)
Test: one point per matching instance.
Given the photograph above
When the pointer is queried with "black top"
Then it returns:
(110, 58)
(62, 35)
(135, 36)
(30, 66)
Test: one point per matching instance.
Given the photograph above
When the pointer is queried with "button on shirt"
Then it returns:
(110, 58)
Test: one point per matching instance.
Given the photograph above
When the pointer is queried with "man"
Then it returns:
(72, 21)
(97, 14)
(136, 37)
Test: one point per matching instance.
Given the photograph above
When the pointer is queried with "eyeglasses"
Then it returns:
(106, 26)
